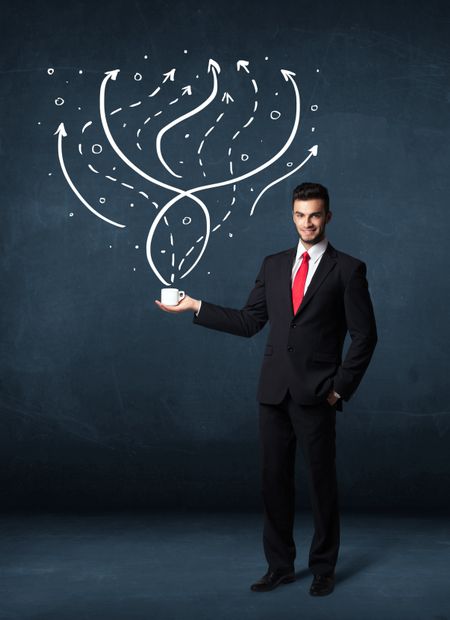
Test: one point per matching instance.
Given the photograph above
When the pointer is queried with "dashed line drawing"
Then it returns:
(61, 133)
(232, 175)
(205, 135)
(214, 68)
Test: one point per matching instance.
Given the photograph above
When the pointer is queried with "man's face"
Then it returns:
(310, 220)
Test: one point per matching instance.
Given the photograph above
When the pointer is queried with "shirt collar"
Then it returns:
(315, 252)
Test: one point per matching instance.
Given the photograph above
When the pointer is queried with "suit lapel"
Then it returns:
(285, 278)
(327, 263)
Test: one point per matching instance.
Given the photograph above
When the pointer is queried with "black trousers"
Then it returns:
(314, 428)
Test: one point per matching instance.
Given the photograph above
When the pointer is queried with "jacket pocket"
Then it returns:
(268, 350)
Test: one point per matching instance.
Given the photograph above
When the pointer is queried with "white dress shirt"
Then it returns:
(315, 254)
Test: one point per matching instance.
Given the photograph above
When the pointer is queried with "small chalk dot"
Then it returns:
(185, 51)
(50, 174)
(145, 56)
(80, 72)
(131, 204)
(230, 234)
(136, 247)
(70, 214)
(187, 135)
(134, 268)
(110, 246)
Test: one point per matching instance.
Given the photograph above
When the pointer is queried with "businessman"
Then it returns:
(312, 295)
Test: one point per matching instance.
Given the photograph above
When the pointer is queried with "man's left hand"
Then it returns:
(332, 398)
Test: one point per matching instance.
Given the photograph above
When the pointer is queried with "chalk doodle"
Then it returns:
(175, 105)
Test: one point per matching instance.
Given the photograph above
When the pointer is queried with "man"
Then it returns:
(312, 295)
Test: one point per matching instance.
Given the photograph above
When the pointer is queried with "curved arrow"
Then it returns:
(61, 132)
(215, 68)
(242, 64)
(227, 98)
(156, 221)
(170, 75)
(112, 75)
(288, 75)
(312, 153)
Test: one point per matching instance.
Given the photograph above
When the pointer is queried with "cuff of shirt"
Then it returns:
(199, 308)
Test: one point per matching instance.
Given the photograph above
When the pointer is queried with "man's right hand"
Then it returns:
(187, 303)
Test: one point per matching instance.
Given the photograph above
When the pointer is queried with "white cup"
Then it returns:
(171, 296)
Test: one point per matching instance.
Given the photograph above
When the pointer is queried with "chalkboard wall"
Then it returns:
(105, 400)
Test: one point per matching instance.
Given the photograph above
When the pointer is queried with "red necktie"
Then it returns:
(298, 287)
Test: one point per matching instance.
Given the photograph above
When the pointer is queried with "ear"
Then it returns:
(329, 216)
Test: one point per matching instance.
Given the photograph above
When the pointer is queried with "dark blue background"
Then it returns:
(106, 401)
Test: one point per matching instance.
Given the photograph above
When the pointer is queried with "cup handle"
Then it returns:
(181, 295)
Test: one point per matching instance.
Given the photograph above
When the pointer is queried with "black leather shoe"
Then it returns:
(272, 579)
(322, 585)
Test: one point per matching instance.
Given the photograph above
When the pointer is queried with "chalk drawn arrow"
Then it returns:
(242, 64)
(312, 153)
(213, 66)
(186, 90)
(227, 98)
(154, 226)
(288, 76)
(112, 75)
(170, 75)
(215, 69)
(62, 133)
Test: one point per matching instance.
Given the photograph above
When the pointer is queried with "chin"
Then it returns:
(312, 240)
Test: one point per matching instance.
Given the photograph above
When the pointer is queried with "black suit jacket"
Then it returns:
(304, 351)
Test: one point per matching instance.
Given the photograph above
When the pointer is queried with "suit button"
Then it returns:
(290, 349)
(294, 325)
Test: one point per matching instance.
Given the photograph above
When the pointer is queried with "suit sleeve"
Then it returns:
(363, 333)
(247, 321)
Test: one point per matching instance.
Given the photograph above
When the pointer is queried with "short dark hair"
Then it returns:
(309, 191)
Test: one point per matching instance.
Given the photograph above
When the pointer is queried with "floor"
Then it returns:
(183, 566)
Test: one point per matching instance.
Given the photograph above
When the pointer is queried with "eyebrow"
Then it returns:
(315, 213)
